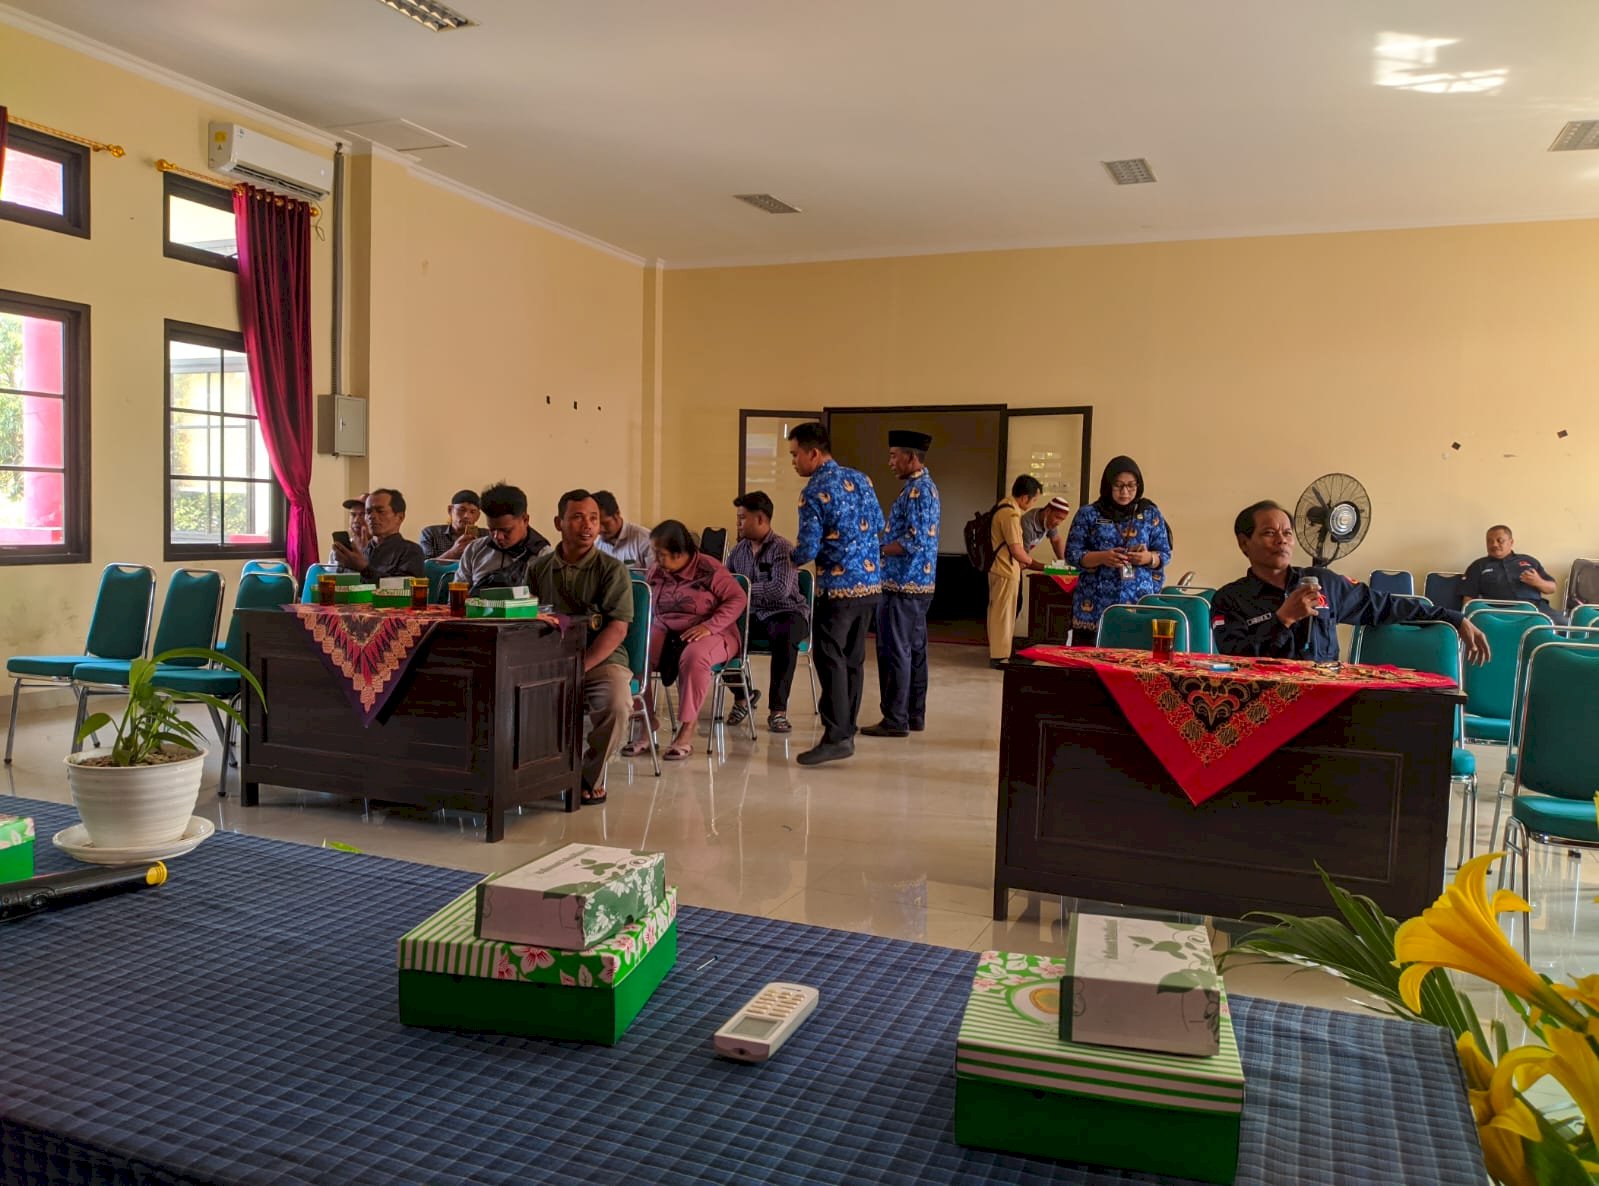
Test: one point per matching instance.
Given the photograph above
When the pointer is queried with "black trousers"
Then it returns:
(842, 624)
(902, 658)
(783, 633)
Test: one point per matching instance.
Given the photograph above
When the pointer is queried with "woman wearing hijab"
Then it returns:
(1121, 543)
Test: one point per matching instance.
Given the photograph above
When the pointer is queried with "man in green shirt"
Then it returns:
(584, 583)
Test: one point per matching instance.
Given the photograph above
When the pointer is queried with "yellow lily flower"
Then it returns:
(1501, 1133)
(1461, 931)
(1570, 1058)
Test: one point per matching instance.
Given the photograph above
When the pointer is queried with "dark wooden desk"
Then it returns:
(1086, 810)
(488, 716)
(1049, 611)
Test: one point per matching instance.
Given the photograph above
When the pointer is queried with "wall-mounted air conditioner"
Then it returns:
(252, 157)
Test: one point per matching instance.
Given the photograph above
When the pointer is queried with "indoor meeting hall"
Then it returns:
(837, 593)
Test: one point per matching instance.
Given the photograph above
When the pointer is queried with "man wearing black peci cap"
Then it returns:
(910, 566)
(446, 541)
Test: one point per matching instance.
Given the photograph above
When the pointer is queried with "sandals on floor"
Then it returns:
(634, 748)
(777, 722)
(676, 753)
(743, 708)
(593, 798)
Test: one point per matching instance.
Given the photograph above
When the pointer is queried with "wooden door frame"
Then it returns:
(1084, 490)
(744, 415)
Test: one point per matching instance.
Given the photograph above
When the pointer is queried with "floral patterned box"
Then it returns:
(571, 898)
(1020, 1088)
(1142, 984)
(451, 979)
(16, 848)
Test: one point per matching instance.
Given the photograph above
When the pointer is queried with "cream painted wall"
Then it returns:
(1230, 369)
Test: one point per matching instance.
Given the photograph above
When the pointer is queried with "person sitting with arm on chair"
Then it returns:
(779, 616)
(388, 553)
(1505, 574)
(500, 558)
(584, 583)
(697, 609)
(1286, 612)
(447, 541)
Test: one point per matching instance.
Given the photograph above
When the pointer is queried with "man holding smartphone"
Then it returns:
(1293, 613)
(387, 553)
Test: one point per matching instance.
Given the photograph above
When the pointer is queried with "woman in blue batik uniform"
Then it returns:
(1121, 543)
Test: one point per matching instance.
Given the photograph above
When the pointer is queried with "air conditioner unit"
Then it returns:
(250, 156)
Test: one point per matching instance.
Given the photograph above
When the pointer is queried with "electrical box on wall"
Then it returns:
(341, 425)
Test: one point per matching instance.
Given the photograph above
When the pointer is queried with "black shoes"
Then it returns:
(997, 664)
(828, 751)
(884, 729)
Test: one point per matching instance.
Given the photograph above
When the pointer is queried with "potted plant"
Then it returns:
(142, 790)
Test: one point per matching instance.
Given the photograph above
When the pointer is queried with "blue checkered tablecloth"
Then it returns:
(239, 1025)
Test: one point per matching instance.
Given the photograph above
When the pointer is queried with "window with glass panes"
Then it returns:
(44, 430)
(222, 499)
(45, 182)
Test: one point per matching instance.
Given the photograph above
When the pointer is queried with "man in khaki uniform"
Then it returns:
(1010, 559)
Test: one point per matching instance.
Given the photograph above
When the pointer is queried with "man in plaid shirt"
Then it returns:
(778, 614)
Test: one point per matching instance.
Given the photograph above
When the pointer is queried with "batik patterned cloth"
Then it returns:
(913, 522)
(840, 528)
(1210, 728)
(367, 650)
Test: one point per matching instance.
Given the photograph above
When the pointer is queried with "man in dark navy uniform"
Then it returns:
(1293, 613)
(1505, 574)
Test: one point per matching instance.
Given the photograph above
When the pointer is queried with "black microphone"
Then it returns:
(19, 899)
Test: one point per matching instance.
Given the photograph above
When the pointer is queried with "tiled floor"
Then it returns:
(897, 841)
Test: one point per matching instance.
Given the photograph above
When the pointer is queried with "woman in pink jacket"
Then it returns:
(697, 609)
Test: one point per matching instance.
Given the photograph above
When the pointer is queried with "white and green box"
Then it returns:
(451, 979)
(488, 607)
(1142, 984)
(354, 594)
(570, 898)
(16, 847)
(1020, 1089)
(505, 593)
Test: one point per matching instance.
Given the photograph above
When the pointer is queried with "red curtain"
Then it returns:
(2, 141)
(274, 235)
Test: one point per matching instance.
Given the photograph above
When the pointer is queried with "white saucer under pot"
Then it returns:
(75, 842)
(135, 806)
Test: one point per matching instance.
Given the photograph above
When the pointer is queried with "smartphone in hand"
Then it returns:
(342, 538)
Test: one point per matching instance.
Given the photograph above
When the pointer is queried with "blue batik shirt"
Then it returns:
(839, 527)
(1100, 587)
(913, 522)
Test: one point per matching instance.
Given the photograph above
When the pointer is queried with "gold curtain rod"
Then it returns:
(95, 145)
(167, 166)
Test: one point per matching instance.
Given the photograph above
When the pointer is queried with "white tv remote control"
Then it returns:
(771, 1016)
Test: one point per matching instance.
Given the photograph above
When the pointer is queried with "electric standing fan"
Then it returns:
(1332, 518)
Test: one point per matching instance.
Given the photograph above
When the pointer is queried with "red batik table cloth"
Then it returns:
(367, 649)
(1210, 728)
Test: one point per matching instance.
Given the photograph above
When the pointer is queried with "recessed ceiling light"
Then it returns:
(1135, 171)
(768, 203)
(1576, 136)
(436, 16)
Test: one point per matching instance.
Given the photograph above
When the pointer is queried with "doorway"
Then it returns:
(763, 464)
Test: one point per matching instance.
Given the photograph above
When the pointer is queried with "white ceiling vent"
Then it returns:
(1579, 134)
(768, 203)
(1130, 172)
(401, 135)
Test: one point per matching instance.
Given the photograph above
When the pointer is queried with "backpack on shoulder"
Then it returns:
(979, 533)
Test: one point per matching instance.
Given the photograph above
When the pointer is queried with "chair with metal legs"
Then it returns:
(757, 647)
(642, 683)
(735, 670)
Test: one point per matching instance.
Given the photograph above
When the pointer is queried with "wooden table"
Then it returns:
(1049, 610)
(1086, 810)
(489, 716)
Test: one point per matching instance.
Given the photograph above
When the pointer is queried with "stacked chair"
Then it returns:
(1195, 609)
(1128, 626)
(1393, 582)
(1490, 688)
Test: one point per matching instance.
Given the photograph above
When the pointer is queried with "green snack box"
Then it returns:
(344, 578)
(354, 594)
(1060, 568)
(1020, 1089)
(392, 599)
(16, 848)
(506, 593)
(480, 607)
(451, 979)
(1141, 984)
(571, 898)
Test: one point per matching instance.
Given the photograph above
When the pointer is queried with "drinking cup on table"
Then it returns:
(326, 589)
(458, 591)
(1164, 639)
(419, 592)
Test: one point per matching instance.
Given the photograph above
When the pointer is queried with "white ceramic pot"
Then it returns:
(135, 806)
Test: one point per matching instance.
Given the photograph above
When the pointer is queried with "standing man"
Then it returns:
(447, 541)
(1011, 559)
(627, 542)
(387, 553)
(778, 614)
(583, 582)
(910, 564)
(840, 522)
(1044, 523)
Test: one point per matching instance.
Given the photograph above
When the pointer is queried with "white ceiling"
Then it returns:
(930, 125)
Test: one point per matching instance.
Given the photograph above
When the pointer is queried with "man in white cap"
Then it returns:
(1045, 523)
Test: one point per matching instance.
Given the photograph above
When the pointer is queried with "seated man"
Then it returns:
(1271, 611)
(778, 613)
(355, 511)
(1044, 523)
(627, 542)
(447, 541)
(388, 553)
(500, 558)
(1505, 574)
(594, 589)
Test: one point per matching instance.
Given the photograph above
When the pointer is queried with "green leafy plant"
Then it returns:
(150, 723)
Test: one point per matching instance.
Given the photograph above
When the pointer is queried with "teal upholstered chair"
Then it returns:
(735, 670)
(190, 615)
(439, 574)
(1392, 581)
(308, 589)
(1205, 591)
(1558, 765)
(638, 663)
(1585, 615)
(1477, 605)
(807, 588)
(1432, 647)
(119, 628)
(272, 566)
(1128, 626)
(1490, 688)
(1196, 609)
